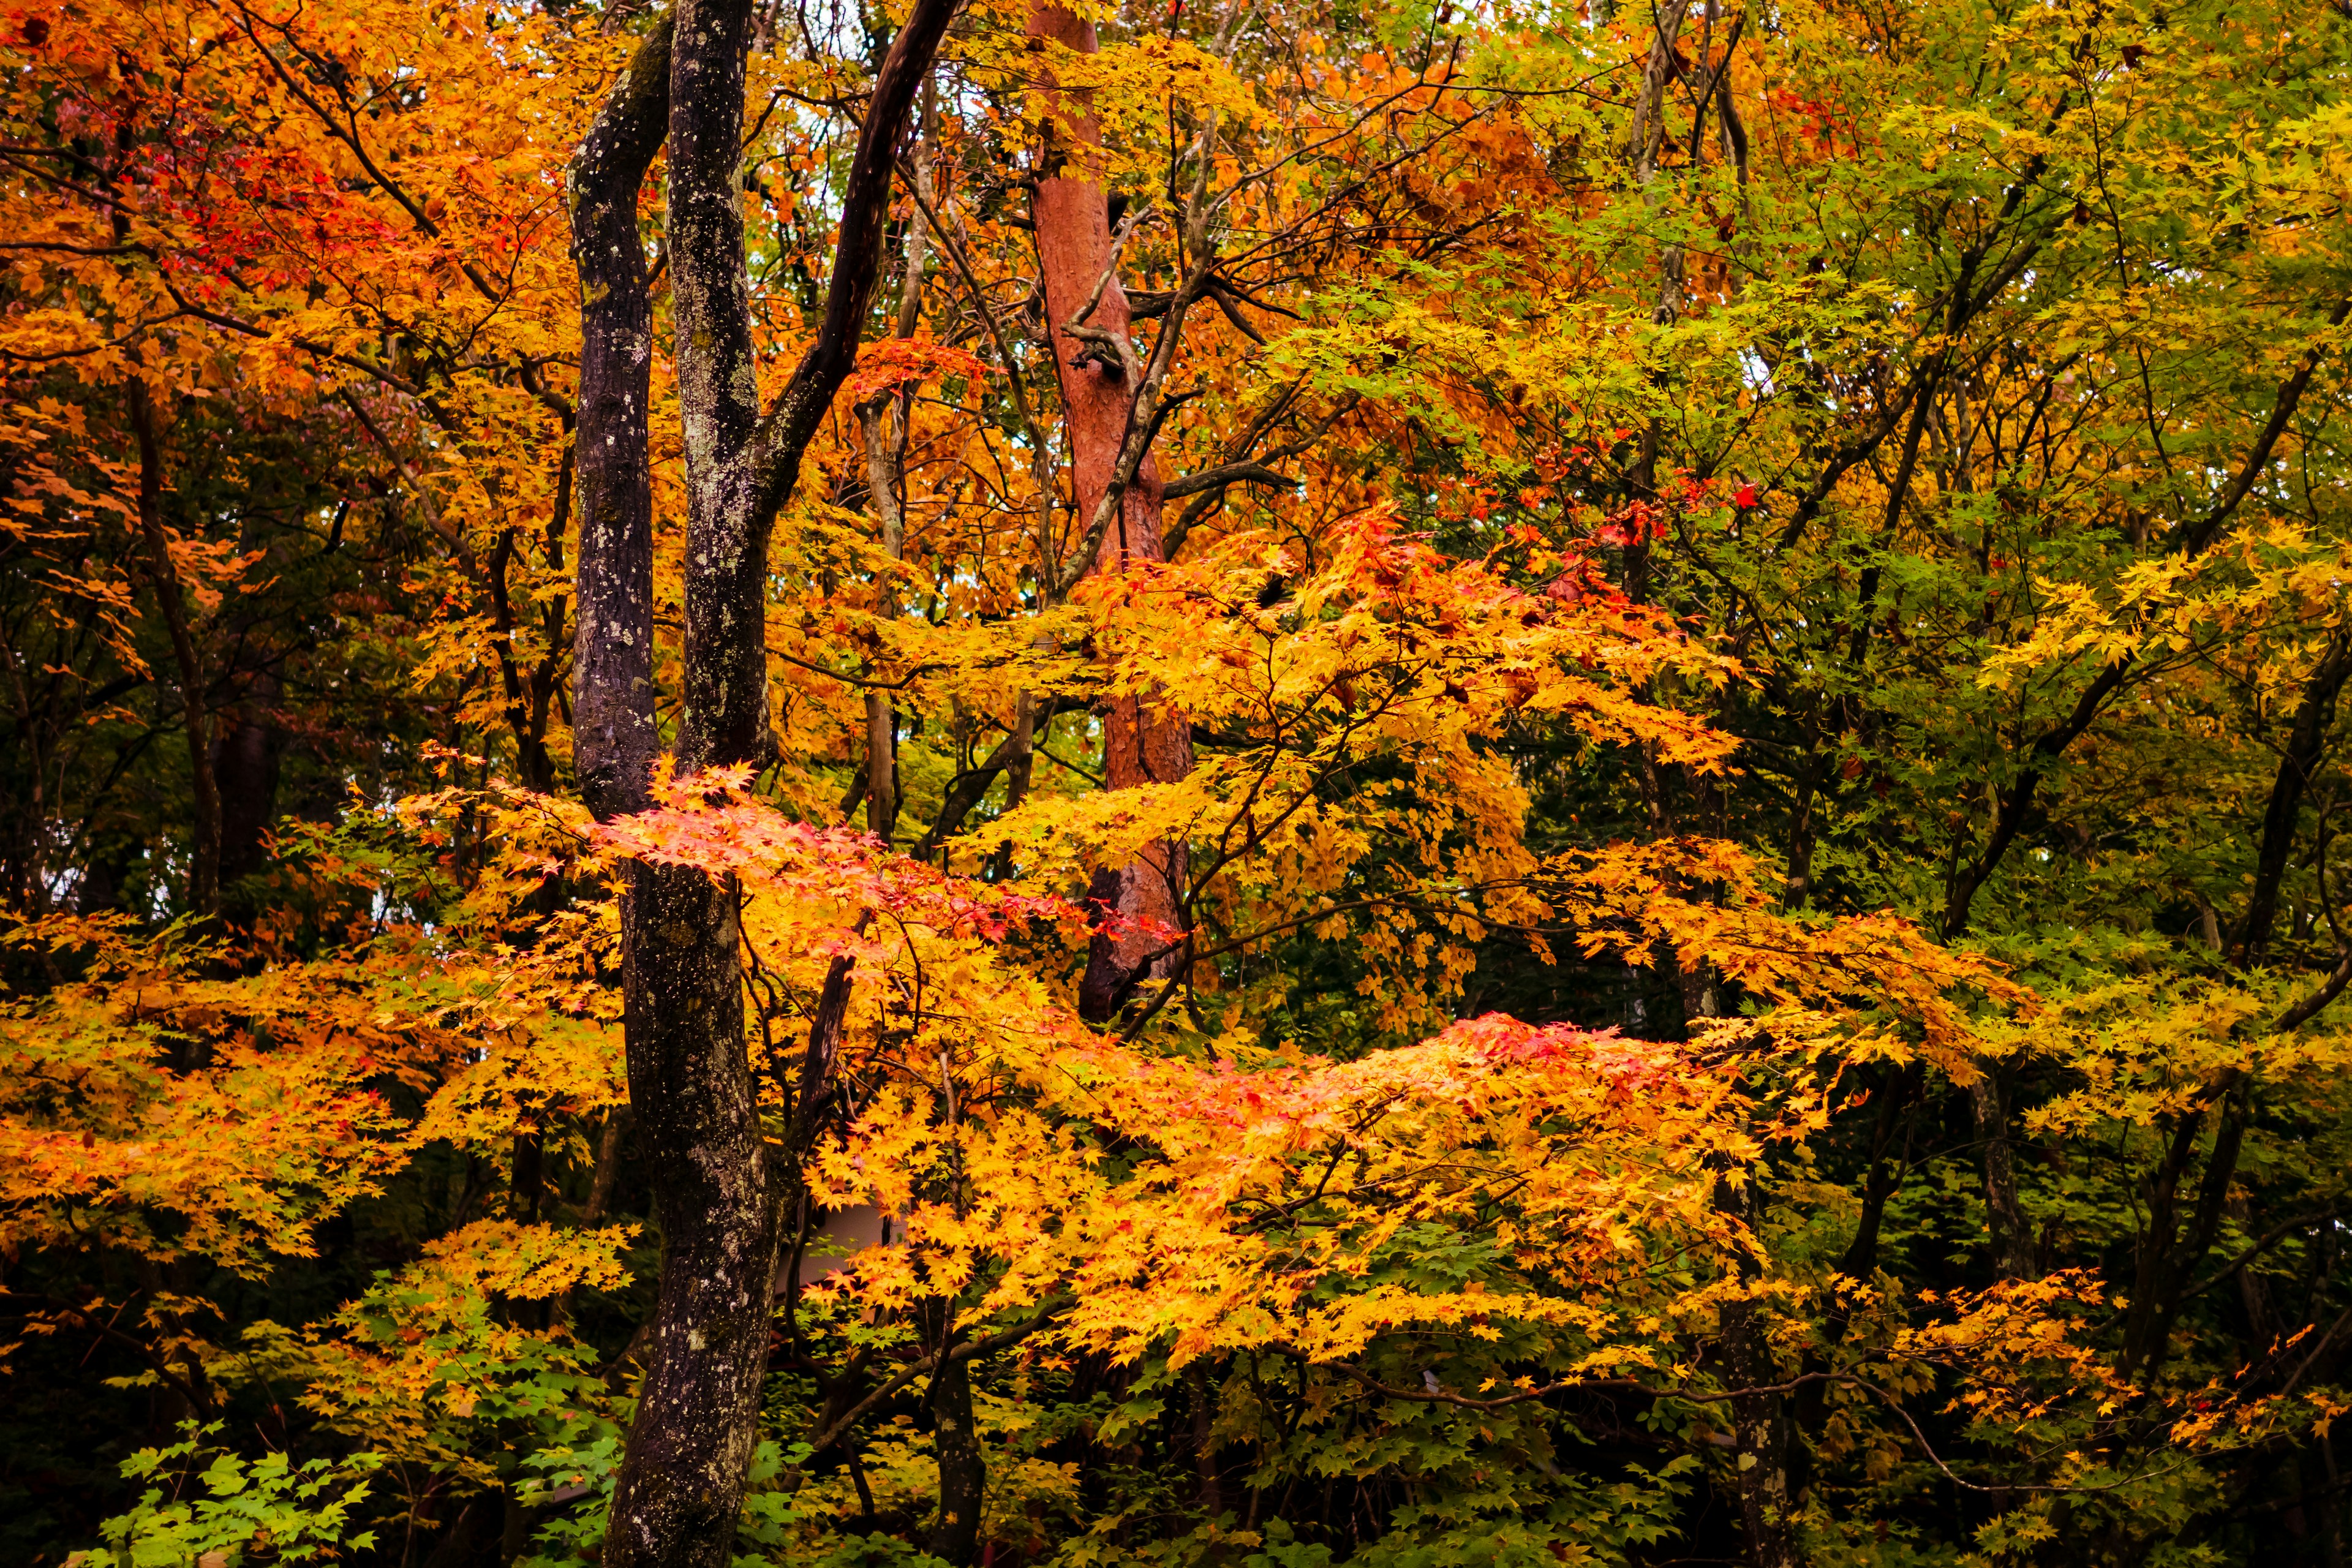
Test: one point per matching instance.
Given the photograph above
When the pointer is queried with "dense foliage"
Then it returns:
(1504, 786)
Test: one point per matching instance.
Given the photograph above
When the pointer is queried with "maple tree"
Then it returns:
(1008, 784)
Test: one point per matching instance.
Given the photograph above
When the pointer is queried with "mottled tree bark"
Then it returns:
(724, 717)
(689, 1079)
(1139, 746)
(691, 1089)
(696, 1108)
(613, 736)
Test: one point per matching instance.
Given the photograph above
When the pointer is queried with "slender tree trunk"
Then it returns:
(883, 423)
(1796, 886)
(963, 1470)
(2306, 744)
(1204, 1439)
(2011, 1233)
(1659, 71)
(1140, 746)
(1898, 1095)
(1018, 767)
(607, 1171)
(244, 775)
(2168, 1250)
(203, 882)
(1760, 1428)
(1760, 1440)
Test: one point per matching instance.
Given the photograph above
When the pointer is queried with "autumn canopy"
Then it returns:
(1252, 783)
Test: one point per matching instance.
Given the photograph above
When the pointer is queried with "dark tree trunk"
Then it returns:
(613, 738)
(1761, 1435)
(2306, 746)
(1204, 1438)
(247, 749)
(2170, 1251)
(697, 1114)
(2011, 1233)
(689, 1079)
(203, 882)
(692, 1090)
(963, 1472)
(1761, 1439)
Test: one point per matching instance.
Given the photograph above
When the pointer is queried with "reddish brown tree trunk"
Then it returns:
(1139, 746)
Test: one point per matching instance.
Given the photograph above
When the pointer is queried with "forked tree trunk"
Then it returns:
(691, 1085)
(1139, 746)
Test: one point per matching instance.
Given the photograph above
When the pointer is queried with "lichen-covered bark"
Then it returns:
(1760, 1441)
(613, 738)
(689, 1079)
(691, 1089)
(696, 1108)
(740, 467)
(724, 717)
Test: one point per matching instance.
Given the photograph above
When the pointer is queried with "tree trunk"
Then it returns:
(1139, 746)
(1761, 1438)
(1760, 1428)
(883, 424)
(2306, 744)
(246, 755)
(1204, 1439)
(691, 1089)
(1660, 67)
(203, 882)
(2011, 1233)
(723, 714)
(613, 736)
(2169, 1251)
(691, 1085)
(698, 1115)
(963, 1470)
